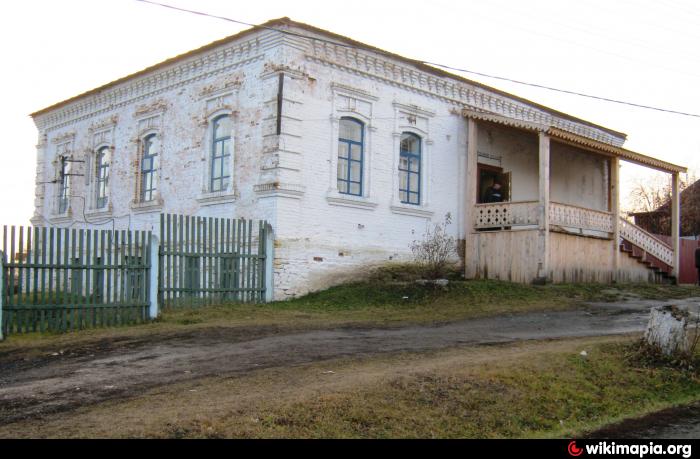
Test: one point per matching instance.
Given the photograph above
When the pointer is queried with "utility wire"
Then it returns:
(681, 56)
(565, 91)
(433, 64)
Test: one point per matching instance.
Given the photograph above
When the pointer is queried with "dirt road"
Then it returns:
(64, 379)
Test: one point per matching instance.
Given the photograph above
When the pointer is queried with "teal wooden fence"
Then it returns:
(57, 279)
(66, 279)
(213, 260)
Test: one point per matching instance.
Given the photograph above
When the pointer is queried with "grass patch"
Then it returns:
(531, 389)
(546, 395)
(388, 298)
(472, 295)
(642, 354)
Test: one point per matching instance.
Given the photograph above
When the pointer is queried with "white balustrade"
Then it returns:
(646, 241)
(524, 213)
(505, 214)
(579, 217)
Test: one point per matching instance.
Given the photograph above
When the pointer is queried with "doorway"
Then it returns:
(487, 176)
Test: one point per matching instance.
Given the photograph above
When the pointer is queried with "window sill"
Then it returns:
(412, 210)
(347, 200)
(146, 207)
(104, 212)
(219, 197)
(58, 219)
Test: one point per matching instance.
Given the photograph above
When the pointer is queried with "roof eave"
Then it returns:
(580, 141)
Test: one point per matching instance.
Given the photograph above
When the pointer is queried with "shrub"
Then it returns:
(436, 252)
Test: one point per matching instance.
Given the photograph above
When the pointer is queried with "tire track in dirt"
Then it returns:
(121, 368)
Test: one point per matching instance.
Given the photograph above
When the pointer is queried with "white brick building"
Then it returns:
(348, 151)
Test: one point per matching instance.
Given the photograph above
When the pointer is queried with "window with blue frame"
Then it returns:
(64, 190)
(351, 156)
(410, 169)
(220, 153)
(149, 168)
(101, 177)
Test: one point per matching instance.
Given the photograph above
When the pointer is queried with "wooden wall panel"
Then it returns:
(512, 256)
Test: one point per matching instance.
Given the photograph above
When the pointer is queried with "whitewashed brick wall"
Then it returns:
(322, 237)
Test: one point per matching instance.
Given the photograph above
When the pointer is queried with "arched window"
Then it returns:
(149, 168)
(101, 177)
(410, 169)
(64, 183)
(220, 153)
(350, 156)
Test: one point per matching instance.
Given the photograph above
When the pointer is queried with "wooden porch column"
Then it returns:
(615, 210)
(470, 262)
(543, 212)
(675, 224)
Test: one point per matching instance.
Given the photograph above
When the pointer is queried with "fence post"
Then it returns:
(269, 259)
(154, 277)
(2, 292)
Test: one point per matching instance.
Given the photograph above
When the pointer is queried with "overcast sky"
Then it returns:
(642, 51)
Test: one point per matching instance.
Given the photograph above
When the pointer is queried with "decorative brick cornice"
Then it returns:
(220, 61)
(457, 93)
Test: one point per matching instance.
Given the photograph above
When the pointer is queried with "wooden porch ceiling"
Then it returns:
(585, 143)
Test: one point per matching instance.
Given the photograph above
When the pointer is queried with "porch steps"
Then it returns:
(662, 272)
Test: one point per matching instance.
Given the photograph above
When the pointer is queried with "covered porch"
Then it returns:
(559, 220)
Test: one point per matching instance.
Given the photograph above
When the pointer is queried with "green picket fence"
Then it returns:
(212, 260)
(58, 279)
(66, 279)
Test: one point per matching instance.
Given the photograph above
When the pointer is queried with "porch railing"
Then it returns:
(646, 241)
(505, 214)
(525, 213)
(569, 216)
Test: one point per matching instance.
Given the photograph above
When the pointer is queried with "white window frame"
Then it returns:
(412, 119)
(63, 150)
(155, 169)
(64, 181)
(421, 169)
(207, 196)
(94, 175)
(355, 103)
(149, 121)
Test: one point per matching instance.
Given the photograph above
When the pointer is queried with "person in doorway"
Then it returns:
(494, 194)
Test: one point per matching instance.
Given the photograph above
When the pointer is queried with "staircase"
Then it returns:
(648, 250)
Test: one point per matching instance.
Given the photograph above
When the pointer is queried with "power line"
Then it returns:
(433, 64)
(618, 39)
(565, 91)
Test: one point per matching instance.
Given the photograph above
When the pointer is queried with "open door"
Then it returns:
(488, 175)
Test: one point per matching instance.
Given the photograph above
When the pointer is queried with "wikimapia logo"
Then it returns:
(574, 450)
(639, 450)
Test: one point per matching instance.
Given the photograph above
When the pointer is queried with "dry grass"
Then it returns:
(532, 389)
